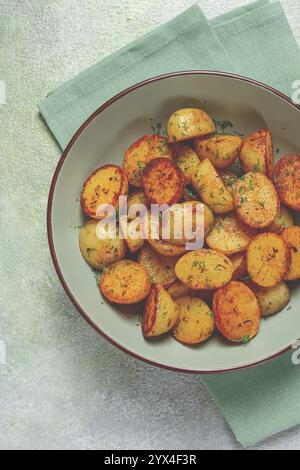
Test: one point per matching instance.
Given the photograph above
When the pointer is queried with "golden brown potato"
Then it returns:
(237, 312)
(291, 236)
(268, 259)
(211, 189)
(287, 181)
(239, 262)
(229, 235)
(161, 313)
(163, 182)
(230, 180)
(188, 123)
(221, 150)
(204, 269)
(125, 282)
(257, 153)
(143, 152)
(161, 246)
(137, 197)
(97, 252)
(178, 290)
(133, 234)
(256, 200)
(272, 300)
(283, 220)
(196, 321)
(186, 159)
(161, 269)
(104, 186)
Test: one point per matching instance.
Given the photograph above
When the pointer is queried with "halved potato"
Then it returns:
(237, 312)
(178, 290)
(97, 252)
(163, 182)
(257, 153)
(272, 300)
(287, 181)
(268, 260)
(137, 197)
(161, 313)
(143, 152)
(211, 189)
(125, 282)
(221, 150)
(230, 180)
(291, 236)
(204, 269)
(256, 200)
(229, 235)
(239, 262)
(283, 220)
(133, 234)
(186, 159)
(161, 269)
(196, 321)
(104, 186)
(161, 246)
(188, 123)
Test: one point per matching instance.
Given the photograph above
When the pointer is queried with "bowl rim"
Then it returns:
(61, 161)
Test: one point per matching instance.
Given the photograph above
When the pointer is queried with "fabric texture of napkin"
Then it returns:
(255, 41)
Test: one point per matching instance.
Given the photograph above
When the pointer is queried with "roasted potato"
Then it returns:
(132, 233)
(291, 236)
(100, 252)
(287, 181)
(230, 180)
(211, 189)
(161, 246)
(221, 150)
(178, 290)
(186, 159)
(229, 235)
(257, 153)
(188, 123)
(160, 268)
(204, 269)
(163, 182)
(125, 282)
(283, 220)
(196, 321)
(104, 186)
(272, 300)
(268, 260)
(239, 262)
(237, 312)
(137, 197)
(161, 312)
(256, 200)
(143, 152)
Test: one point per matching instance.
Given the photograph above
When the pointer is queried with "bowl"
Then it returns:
(236, 102)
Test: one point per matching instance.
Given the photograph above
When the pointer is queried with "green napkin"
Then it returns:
(255, 41)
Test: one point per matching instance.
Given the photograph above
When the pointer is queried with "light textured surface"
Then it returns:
(63, 386)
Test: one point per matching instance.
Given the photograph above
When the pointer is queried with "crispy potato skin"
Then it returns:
(204, 269)
(273, 299)
(143, 152)
(99, 253)
(268, 259)
(257, 153)
(196, 321)
(163, 182)
(287, 181)
(221, 150)
(237, 312)
(125, 282)
(256, 200)
(186, 159)
(229, 179)
(188, 123)
(239, 262)
(104, 186)
(212, 191)
(283, 220)
(230, 235)
(161, 269)
(291, 236)
(178, 290)
(161, 313)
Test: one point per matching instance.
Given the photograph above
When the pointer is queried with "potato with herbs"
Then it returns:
(186, 159)
(188, 123)
(161, 269)
(221, 150)
(230, 180)
(104, 186)
(160, 314)
(196, 321)
(257, 153)
(178, 290)
(137, 197)
(272, 300)
(239, 262)
(287, 181)
(163, 182)
(211, 190)
(291, 236)
(283, 220)
(162, 247)
(99, 252)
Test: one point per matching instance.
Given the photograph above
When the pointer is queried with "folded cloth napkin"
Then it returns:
(255, 41)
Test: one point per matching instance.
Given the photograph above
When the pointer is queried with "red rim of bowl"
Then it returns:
(50, 203)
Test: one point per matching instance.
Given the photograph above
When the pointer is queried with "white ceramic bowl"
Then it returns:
(103, 139)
